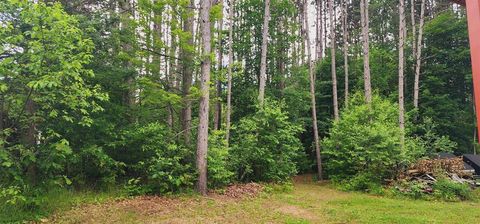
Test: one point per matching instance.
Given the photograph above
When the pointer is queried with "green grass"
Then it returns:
(308, 202)
(50, 202)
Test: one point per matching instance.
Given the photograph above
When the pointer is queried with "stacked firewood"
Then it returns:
(426, 172)
(431, 166)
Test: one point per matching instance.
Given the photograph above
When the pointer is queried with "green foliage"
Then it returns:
(45, 85)
(265, 145)
(134, 187)
(448, 190)
(42, 204)
(218, 164)
(364, 182)
(431, 141)
(366, 139)
(94, 167)
(446, 91)
(150, 153)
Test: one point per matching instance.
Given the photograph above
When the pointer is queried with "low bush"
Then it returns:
(150, 153)
(265, 145)
(363, 182)
(366, 140)
(95, 168)
(218, 154)
(448, 190)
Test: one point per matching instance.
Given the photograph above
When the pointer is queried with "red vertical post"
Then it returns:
(473, 16)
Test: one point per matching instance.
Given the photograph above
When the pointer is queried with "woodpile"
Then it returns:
(427, 171)
(431, 166)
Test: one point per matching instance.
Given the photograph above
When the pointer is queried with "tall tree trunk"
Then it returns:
(418, 56)
(366, 50)
(218, 103)
(28, 138)
(319, 26)
(414, 28)
(172, 65)
(263, 59)
(1, 118)
(187, 73)
(129, 95)
(333, 53)
(345, 47)
(311, 73)
(202, 140)
(401, 63)
(229, 75)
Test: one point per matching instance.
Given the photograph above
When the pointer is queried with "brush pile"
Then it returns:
(426, 172)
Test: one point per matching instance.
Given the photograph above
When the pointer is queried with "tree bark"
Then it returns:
(188, 66)
(319, 26)
(202, 140)
(311, 73)
(414, 28)
(218, 102)
(401, 63)
(263, 59)
(333, 53)
(366, 50)
(345, 47)
(129, 95)
(229, 75)
(418, 57)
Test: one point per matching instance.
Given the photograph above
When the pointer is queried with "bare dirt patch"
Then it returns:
(297, 212)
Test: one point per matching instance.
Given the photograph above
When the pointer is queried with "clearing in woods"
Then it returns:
(309, 202)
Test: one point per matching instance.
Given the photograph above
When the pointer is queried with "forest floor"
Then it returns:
(308, 202)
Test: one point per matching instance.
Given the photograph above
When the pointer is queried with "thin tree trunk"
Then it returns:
(218, 102)
(319, 26)
(334, 67)
(366, 50)
(263, 60)
(188, 67)
(414, 28)
(29, 138)
(312, 94)
(129, 95)
(172, 65)
(401, 63)
(229, 75)
(418, 57)
(345, 47)
(202, 140)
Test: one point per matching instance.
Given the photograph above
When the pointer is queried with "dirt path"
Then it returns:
(309, 202)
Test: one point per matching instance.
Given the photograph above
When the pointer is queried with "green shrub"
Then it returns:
(366, 139)
(448, 190)
(265, 145)
(364, 182)
(151, 154)
(218, 173)
(431, 140)
(95, 167)
(410, 189)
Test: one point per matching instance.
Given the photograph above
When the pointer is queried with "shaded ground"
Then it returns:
(308, 203)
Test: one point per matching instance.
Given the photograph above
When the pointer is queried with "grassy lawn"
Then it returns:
(308, 203)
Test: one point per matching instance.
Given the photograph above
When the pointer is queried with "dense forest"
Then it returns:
(168, 96)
